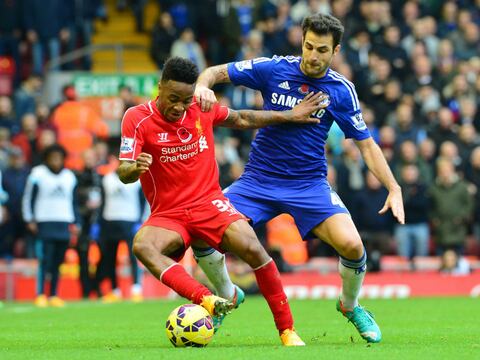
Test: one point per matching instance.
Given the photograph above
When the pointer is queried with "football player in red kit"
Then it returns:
(168, 144)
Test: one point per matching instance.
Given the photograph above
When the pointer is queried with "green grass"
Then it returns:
(447, 328)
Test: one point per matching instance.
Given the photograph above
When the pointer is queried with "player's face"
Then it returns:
(317, 54)
(55, 161)
(174, 98)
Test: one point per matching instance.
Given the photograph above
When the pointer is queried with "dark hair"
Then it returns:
(55, 148)
(181, 70)
(323, 25)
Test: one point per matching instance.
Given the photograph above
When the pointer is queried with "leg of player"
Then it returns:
(212, 262)
(340, 232)
(152, 246)
(240, 239)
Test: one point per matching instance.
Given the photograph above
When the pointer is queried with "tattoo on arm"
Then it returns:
(222, 74)
(252, 119)
(214, 75)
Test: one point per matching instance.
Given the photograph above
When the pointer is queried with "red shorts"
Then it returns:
(206, 221)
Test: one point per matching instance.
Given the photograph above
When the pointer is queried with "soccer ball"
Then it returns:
(189, 325)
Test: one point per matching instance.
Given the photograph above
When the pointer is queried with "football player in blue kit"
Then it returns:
(287, 168)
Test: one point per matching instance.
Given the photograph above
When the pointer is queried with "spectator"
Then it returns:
(448, 150)
(357, 54)
(386, 104)
(26, 139)
(5, 148)
(26, 95)
(14, 180)
(467, 41)
(391, 49)
(405, 128)
(187, 47)
(10, 33)
(423, 75)
(427, 101)
(446, 62)
(409, 156)
(293, 44)
(81, 28)
(375, 230)
(412, 238)
(378, 78)
(387, 142)
(423, 30)
(448, 22)
(467, 141)
(350, 179)
(450, 210)
(443, 127)
(253, 47)
(49, 209)
(77, 127)
(472, 174)
(122, 210)
(454, 264)
(164, 34)
(7, 120)
(468, 113)
(46, 23)
(427, 151)
(89, 200)
(125, 94)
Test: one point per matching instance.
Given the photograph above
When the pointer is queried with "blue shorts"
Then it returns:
(263, 198)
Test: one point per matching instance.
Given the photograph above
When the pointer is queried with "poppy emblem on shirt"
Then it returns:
(304, 89)
(184, 135)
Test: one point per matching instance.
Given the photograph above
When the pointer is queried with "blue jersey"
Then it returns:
(296, 151)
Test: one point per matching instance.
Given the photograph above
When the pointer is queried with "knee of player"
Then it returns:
(352, 248)
(256, 252)
(142, 246)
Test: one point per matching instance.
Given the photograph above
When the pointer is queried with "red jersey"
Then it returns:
(183, 171)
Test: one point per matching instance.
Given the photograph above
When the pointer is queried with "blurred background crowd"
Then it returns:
(415, 65)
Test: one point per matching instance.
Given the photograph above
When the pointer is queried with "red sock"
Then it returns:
(268, 279)
(176, 278)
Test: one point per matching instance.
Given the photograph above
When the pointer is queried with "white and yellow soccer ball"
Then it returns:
(189, 325)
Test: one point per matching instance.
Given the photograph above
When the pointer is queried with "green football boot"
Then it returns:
(364, 322)
(238, 298)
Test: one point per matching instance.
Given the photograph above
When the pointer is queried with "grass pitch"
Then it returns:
(447, 328)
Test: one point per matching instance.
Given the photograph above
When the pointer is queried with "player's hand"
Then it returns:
(206, 97)
(143, 162)
(311, 103)
(395, 202)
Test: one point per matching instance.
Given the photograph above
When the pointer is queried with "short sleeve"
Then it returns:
(253, 74)
(132, 139)
(219, 114)
(348, 115)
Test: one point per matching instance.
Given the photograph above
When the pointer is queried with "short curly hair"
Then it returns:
(180, 69)
(322, 24)
(55, 148)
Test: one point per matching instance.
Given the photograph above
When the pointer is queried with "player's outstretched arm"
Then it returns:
(300, 114)
(209, 77)
(378, 165)
(130, 171)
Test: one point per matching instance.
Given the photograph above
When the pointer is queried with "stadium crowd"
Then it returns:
(415, 64)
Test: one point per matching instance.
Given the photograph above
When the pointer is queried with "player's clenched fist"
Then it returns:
(143, 162)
